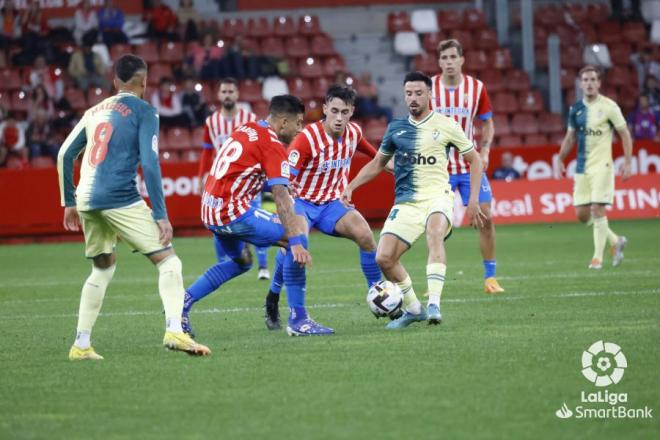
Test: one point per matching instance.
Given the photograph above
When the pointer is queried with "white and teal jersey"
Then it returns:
(420, 152)
(117, 134)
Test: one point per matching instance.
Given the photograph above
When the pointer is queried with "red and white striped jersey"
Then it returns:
(463, 103)
(321, 164)
(218, 128)
(250, 156)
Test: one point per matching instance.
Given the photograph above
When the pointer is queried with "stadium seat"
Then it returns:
(171, 52)
(530, 102)
(424, 21)
(179, 139)
(450, 19)
(505, 103)
(10, 79)
(551, 123)
(598, 12)
(42, 162)
(96, 95)
(541, 57)
(517, 81)
(258, 27)
(407, 44)
(118, 50)
(570, 97)
(232, 27)
(5, 100)
(628, 96)
(190, 155)
(474, 19)
(309, 25)
(322, 45)
(502, 125)
(260, 108)
(148, 52)
(313, 110)
(310, 67)
(476, 61)
(169, 155)
(157, 71)
(76, 98)
(620, 76)
(609, 32)
(284, 26)
(541, 35)
(250, 45)
(511, 140)
(579, 13)
(536, 139)
(374, 130)
(493, 80)
(430, 41)
(589, 33)
(301, 88)
(549, 16)
(427, 63)
(567, 78)
(571, 57)
(250, 90)
(332, 65)
(209, 92)
(524, 123)
(320, 87)
(296, 47)
(273, 86)
(464, 37)
(634, 32)
(620, 53)
(486, 39)
(272, 46)
(501, 59)
(197, 137)
(20, 101)
(398, 22)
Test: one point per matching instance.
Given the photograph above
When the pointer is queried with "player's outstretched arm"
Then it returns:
(474, 213)
(626, 140)
(294, 229)
(366, 174)
(566, 147)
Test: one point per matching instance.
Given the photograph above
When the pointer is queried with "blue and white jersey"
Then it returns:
(117, 134)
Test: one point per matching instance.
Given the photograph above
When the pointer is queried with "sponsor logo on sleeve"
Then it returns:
(294, 156)
(285, 170)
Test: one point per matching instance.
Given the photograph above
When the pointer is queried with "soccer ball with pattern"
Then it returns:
(385, 299)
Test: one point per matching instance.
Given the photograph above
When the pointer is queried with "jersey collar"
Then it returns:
(413, 122)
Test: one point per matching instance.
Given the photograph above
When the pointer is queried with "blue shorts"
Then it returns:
(462, 182)
(323, 217)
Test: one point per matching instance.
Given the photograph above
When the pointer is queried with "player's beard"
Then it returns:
(415, 111)
(228, 105)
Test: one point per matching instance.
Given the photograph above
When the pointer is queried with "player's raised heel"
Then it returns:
(434, 315)
(491, 286)
(183, 342)
(617, 251)
(406, 319)
(263, 274)
(596, 264)
(307, 327)
(84, 354)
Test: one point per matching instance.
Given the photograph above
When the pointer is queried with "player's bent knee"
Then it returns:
(244, 261)
(384, 260)
(104, 261)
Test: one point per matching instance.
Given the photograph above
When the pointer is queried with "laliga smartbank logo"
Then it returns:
(603, 364)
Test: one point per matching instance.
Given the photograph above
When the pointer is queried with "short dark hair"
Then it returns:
(228, 80)
(127, 66)
(347, 94)
(417, 76)
(589, 68)
(286, 104)
(448, 44)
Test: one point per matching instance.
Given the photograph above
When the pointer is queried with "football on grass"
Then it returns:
(385, 299)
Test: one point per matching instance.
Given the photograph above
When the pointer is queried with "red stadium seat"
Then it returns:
(476, 61)
(310, 67)
(232, 27)
(260, 108)
(536, 139)
(567, 78)
(501, 59)
(42, 162)
(609, 32)
(430, 41)
(620, 53)
(313, 110)
(598, 12)
(634, 32)
(273, 47)
(332, 65)
(540, 36)
(628, 96)
(509, 141)
(398, 22)
(579, 13)
(250, 45)
(517, 81)
(464, 37)
(322, 45)
(190, 155)
(374, 130)
(169, 156)
(250, 91)
(549, 16)
(258, 27)
(589, 32)
(530, 102)
(570, 97)
(571, 57)
(157, 71)
(493, 80)
(524, 123)
(76, 98)
(197, 137)
(309, 25)
(96, 95)
(171, 52)
(427, 63)
(551, 123)
(541, 57)
(10, 79)
(450, 19)
(474, 19)
(620, 76)
(486, 39)
(320, 87)
(5, 100)
(301, 88)
(179, 139)
(284, 26)
(505, 103)
(296, 47)
(502, 125)
(148, 52)
(118, 50)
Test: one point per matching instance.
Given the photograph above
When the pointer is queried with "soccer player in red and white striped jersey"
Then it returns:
(465, 98)
(320, 159)
(250, 157)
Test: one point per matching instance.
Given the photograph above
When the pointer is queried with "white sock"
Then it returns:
(410, 301)
(170, 287)
(174, 325)
(83, 339)
(91, 300)
(435, 276)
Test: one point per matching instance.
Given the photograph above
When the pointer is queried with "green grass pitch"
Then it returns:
(498, 367)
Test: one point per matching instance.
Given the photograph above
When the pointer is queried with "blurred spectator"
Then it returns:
(618, 13)
(11, 24)
(87, 68)
(42, 74)
(12, 139)
(111, 24)
(34, 36)
(643, 123)
(652, 90)
(506, 170)
(645, 65)
(188, 18)
(193, 103)
(206, 59)
(40, 101)
(85, 24)
(40, 136)
(168, 105)
(239, 62)
(366, 106)
(162, 21)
